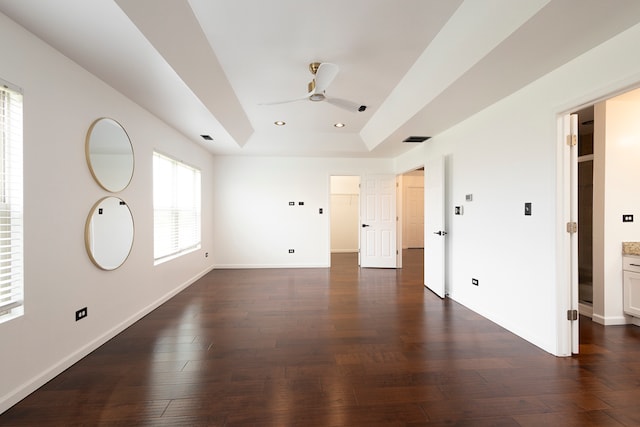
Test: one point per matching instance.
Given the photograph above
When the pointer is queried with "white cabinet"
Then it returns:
(631, 278)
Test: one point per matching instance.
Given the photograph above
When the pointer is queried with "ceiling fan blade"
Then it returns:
(344, 104)
(324, 76)
(284, 102)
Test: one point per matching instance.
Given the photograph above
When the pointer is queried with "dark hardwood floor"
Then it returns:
(336, 347)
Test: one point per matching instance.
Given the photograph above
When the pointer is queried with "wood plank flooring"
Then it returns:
(335, 347)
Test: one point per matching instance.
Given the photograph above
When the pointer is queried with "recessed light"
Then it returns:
(339, 125)
(279, 123)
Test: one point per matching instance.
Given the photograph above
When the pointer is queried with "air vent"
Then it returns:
(416, 139)
(206, 137)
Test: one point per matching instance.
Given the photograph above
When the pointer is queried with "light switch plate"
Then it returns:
(527, 208)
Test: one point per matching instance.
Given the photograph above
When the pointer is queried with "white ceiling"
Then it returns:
(420, 66)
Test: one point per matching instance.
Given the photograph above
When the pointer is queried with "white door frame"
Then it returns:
(399, 218)
(567, 297)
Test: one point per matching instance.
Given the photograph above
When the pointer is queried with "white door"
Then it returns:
(570, 141)
(415, 217)
(434, 226)
(378, 221)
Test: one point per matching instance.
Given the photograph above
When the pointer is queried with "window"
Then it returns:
(11, 265)
(176, 208)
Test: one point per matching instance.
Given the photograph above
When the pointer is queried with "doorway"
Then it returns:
(585, 210)
(413, 209)
(606, 173)
(345, 213)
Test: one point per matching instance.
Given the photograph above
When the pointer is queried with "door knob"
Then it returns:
(440, 233)
(365, 225)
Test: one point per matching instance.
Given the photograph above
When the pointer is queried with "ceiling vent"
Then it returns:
(416, 139)
(206, 137)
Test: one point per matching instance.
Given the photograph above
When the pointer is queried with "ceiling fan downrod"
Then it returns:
(311, 89)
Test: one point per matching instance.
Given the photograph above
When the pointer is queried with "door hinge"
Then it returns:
(572, 315)
(572, 227)
(572, 140)
(396, 252)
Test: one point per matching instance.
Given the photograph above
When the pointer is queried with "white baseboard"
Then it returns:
(585, 309)
(15, 396)
(256, 266)
(610, 320)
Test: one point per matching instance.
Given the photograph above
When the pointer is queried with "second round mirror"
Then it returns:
(109, 233)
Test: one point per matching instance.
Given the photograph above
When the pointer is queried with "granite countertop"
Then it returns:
(631, 248)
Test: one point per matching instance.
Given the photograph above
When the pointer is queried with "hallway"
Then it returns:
(335, 347)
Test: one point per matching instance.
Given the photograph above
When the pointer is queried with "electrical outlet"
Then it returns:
(475, 282)
(291, 251)
(206, 254)
(81, 314)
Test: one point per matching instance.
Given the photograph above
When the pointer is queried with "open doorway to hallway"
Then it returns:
(411, 217)
(413, 209)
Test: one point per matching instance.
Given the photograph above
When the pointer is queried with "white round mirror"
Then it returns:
(109, 154)
(109, 232)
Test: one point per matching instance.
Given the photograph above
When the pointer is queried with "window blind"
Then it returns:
(176, 206)
(11, 208)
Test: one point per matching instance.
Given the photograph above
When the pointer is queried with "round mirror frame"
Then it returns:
(120, 179)
(90, 239)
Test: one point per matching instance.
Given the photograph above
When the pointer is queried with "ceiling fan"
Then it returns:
(324, 73)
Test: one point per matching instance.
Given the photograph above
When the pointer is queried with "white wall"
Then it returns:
(61, 100)
(618, 159)
(505, 156)
(345, 213)
(254, 225)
